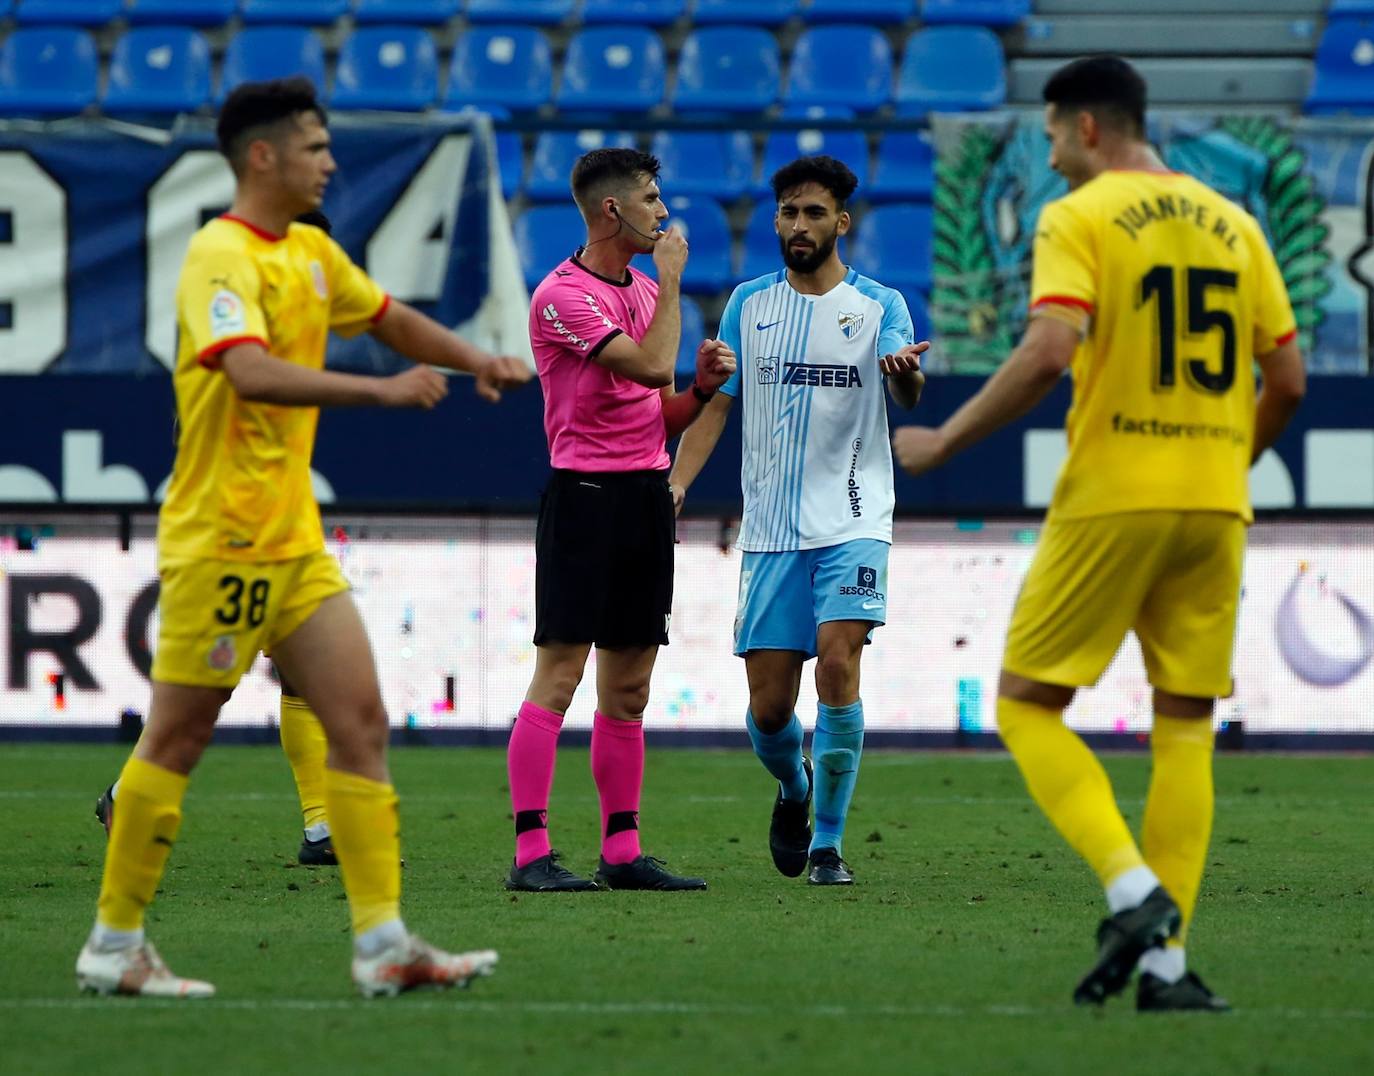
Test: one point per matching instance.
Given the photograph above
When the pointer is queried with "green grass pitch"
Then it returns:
(955, 953)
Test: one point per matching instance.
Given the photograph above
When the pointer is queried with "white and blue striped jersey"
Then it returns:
(817, 467)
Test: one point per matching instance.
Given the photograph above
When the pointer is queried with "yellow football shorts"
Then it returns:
(216, 615)
(1171, 577)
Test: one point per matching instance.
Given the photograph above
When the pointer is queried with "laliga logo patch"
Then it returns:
(850, 324)
(226, 314)
(317, 277)
(1309, 662)
(223, 654)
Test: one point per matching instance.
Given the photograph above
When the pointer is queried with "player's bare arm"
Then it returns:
(1285, 384)
(715, 363)
(261, 377)
(416, 336)
(903, 372)
(696, 446)
(1019, 384)
(650, 362)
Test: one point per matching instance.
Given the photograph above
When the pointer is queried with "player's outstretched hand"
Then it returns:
(420, 386)
(919, 448)
(715, 363)
(499, 374)
(670, 252)
(905, 360)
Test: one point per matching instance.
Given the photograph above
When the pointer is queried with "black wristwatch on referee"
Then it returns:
(702, 397)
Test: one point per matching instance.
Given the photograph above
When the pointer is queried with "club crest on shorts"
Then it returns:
(223, 654)
(850, 324)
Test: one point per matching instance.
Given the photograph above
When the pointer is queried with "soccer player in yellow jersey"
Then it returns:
(1158, 295)
(241, 547)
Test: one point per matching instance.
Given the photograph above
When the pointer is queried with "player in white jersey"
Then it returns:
(815, 343)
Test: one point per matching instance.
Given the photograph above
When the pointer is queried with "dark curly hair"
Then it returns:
(826, 172)
(254, 107)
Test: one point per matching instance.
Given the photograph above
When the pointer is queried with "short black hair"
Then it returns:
(609, 168)
(835, 176)
(253, 106)
(1106, 86)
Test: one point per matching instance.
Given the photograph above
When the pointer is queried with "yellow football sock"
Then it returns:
(302, 738)
(1178, 810)
(1070, 785)
(366, 830)
(146, 821)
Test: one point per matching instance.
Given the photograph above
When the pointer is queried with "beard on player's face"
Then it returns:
(806, 254)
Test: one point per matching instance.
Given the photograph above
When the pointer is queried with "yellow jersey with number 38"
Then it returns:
(1174, 291)
(240, 487)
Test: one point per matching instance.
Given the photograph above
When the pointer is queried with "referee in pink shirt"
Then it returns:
(605, 346)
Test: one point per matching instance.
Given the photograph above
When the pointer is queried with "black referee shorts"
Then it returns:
(604, 559)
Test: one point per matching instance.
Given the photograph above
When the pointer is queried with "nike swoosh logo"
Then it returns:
(872, 605)
(761, 327)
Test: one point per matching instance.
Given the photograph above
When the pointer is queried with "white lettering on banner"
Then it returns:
(33, 328)
(85, 609)
(198, 184)
(1338, 468)
(1043, 452)
(87, 479)
(408, 253)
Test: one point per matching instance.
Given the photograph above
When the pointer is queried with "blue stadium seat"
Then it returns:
(1339, 9)
(182, 12)
(727, 69)
(817, 112)
(693, 333)
(759, 253)
(554, 154)
(703, 223)
(867, 11)
(507, 66)
(710, 163)
(951, 69)
(616, 68)
(5, 6)
(892, 245)
(158, 69)
(783, 147)
(68, 12)
(634, 12)
(545, 12)
(263, 52)
(424, 12)
(306, 12)
(975, 12)
(905, 169)
(1344, 77)
(544, 236)
(510, 158)
(387, 67)
(849, 66)
(745, 12)
(47, 71)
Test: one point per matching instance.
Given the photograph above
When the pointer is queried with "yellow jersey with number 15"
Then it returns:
(240, 486)
(1175, 291)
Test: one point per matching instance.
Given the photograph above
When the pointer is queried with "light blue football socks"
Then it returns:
(836, 748)
(781, 755)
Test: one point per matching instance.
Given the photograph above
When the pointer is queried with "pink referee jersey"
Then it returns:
(595, 420)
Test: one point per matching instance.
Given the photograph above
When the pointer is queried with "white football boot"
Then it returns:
(415, 963)
(137, 970)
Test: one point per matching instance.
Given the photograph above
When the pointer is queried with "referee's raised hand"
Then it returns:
(670, 252)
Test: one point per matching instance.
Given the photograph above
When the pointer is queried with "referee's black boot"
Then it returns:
(545, 875)
(646, 872)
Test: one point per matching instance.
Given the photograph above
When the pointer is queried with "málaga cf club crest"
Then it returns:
(850, 324)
